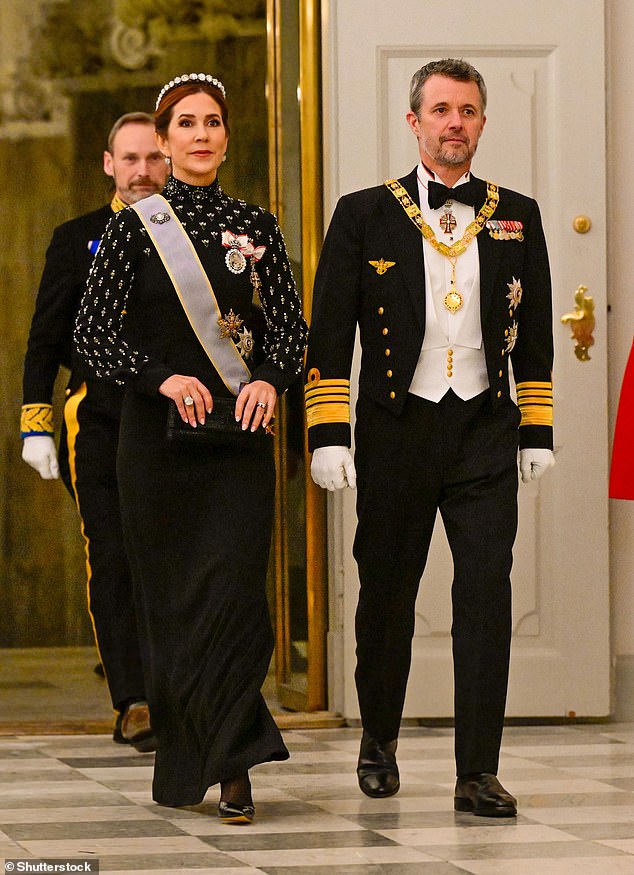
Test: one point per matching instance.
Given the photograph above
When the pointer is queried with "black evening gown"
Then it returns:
(197, 521)
(199, 557)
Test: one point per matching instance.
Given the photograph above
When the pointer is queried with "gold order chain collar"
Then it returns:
(473, 229)
(453, 299)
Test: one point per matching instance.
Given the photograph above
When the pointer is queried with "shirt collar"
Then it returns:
(424, 175)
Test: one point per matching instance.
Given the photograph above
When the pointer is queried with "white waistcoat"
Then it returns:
(452, 355)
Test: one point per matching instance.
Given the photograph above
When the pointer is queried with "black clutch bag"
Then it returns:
(219, 429)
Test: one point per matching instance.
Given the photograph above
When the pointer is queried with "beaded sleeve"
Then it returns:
(98, 328)
(286, 330)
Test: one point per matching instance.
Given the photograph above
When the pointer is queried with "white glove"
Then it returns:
(333, 468)
(534, 463)
(39, 452)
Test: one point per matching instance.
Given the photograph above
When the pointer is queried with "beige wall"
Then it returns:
(620, 196)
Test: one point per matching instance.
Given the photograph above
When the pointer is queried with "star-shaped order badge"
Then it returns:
(511, 337)
(245, 343)
(515, 292)
(230, 324)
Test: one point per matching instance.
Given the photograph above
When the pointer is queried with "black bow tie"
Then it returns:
(437, 194)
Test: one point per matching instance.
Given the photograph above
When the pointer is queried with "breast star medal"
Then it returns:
(515, 293)
(230, 325)
(511, 336)
(245, 344)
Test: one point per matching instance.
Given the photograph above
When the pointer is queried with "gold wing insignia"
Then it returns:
(381, 266)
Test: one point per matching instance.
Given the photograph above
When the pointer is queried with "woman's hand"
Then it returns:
(256, 405)
(192, 398)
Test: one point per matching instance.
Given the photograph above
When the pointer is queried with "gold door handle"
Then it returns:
(582, 323)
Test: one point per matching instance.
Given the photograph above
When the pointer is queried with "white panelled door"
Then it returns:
(543, 63)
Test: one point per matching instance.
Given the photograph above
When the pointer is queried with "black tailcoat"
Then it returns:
(88, 445)
(68, 261)
(370, 225)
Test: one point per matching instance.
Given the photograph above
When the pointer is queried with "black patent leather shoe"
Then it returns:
(377, 770)
(232, 812)
(483, 795)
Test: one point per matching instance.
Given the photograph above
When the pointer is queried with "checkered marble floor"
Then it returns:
(84, 797)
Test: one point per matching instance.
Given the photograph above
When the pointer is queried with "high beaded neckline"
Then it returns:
(176, 188)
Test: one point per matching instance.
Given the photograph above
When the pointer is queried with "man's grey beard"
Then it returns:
(453, 159)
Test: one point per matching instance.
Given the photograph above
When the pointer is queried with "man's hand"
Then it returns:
(333, 468)
(39, 452)
(534, 463)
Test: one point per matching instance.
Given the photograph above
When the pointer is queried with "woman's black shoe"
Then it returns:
(231, 812)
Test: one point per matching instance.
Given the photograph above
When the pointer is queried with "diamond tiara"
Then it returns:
(205, 78)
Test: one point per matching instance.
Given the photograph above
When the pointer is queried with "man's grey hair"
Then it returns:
(129, 118)
(451, 67)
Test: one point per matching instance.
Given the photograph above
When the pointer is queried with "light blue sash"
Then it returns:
(192, 287)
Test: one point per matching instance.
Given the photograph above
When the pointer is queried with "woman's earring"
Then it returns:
(167, 159)
(224, 157)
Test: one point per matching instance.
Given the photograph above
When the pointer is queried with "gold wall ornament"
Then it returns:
(184, 20)
(582, 323)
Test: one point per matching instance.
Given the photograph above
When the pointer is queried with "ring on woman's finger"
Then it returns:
(262, 405)
(188, 400)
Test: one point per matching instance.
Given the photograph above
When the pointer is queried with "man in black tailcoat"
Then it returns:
(447, 278)
(90, 430)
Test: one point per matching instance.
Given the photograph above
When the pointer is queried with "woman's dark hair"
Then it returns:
(163, 114)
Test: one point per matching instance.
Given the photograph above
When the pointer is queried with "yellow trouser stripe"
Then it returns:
(71, 409)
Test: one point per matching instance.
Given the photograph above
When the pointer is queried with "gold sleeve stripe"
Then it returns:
(36, 419)
(332, 413)
(534, 385)
(536, 415)
(545, 393)
(535, 400)
(318, 392)
(327, 401)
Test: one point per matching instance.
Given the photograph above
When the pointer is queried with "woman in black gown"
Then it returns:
(198, 519)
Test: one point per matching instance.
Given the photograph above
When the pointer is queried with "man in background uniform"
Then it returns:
(89, 433)
(447, 278)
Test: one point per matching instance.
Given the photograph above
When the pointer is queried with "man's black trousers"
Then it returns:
(460, 458)
(88, 453)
